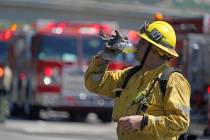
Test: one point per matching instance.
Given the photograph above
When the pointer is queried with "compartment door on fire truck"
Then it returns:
(198, 55)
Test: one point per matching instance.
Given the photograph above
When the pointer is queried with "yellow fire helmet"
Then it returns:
(162, 35)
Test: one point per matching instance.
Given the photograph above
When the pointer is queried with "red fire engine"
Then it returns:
(6, 35)
(50, 75)
(193, 46)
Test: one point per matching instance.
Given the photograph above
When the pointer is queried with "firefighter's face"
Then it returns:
(141, 48)
(153, 56)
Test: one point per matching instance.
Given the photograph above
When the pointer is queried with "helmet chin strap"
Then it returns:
(145, 55)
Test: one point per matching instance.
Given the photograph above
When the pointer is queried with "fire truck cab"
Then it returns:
(52, 77)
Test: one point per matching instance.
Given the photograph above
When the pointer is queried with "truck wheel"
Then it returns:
(3, 107)
(14, 110)
(33, 113)
(105, 117)
(77, 117)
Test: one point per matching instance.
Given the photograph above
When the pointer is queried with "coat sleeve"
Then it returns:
(176, 118)
(101, 81)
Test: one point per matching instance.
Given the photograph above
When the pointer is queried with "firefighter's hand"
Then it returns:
(130, 123)
(116, 42)
(113, 45)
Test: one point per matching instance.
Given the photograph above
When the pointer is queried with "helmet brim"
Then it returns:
(169, 51)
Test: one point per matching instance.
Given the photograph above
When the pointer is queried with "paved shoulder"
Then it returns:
(61, 128)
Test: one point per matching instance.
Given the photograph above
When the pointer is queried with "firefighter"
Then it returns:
(141, 110)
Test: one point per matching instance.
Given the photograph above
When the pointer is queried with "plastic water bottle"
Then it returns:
(127, 47)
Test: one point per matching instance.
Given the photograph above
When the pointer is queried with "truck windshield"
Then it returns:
(58, 48)
(92, 45)
(3, 51)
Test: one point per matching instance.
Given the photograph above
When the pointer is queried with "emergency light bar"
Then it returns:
(1, 72)
(89, 30)
(6, 35)
(86, 28)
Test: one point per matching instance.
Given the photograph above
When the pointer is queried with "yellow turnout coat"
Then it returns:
(168, 116)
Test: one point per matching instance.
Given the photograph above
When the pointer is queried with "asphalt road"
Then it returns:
(56, 130)
(7, 135)
(14, 129)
